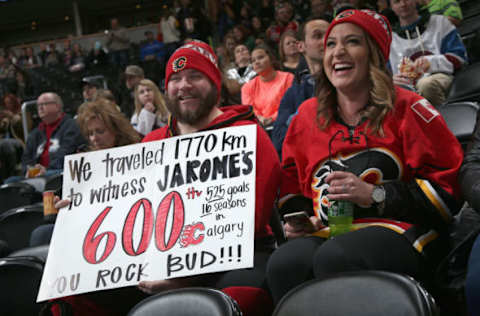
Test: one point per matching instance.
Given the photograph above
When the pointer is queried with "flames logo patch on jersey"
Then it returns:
(179, 63)
(374, 165)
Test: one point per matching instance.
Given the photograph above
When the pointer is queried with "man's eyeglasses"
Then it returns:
(45, 103)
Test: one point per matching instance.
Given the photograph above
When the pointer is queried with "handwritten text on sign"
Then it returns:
(152, 211)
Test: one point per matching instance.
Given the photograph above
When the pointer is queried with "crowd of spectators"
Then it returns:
(270, 56)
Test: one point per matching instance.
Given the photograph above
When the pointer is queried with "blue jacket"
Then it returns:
(302, 88)
(66, 139)
(154, 48)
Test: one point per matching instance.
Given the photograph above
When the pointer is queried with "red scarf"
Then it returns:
(49, 128)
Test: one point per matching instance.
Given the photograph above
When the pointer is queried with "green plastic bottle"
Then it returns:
(340, 217)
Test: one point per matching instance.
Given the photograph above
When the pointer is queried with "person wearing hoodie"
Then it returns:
(426, 51)
(192, 85)
(310, 37)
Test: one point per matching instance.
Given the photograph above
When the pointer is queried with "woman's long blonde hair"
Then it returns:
(114, 120)
(382, 92)
(158, 99)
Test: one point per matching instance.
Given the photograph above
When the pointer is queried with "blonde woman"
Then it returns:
(381, 150)
(288, 52)
(105, 126)
(150, 109)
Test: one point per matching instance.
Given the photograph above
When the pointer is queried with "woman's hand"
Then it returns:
(345, 186)
(149, 107)
(292, 231)
(42, 171)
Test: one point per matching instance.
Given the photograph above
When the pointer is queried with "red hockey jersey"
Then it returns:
(417, 161)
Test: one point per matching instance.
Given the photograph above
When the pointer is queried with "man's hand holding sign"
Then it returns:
(189, 212)
(175, 210)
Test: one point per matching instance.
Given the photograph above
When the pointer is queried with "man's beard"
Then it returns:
(194, 116)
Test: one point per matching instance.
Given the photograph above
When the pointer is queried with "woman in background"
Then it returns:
(104, 127)
(265, 91)
(288, 51)
(11, 118)
(226, 58)
(150, 109)
(236, 77)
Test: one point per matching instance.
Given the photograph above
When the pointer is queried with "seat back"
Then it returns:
(363, 293)
(30, 118)
(465, 85)
(19, 283)
(38, 252)
(17, 194)
(54, 183)
(11, 151)
(277, 227)
(38, 183)
(16, 225)
(187, 302)
(461, 118)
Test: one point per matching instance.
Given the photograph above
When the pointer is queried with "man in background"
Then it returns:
(117, 43)
(283, 21)
(56, 136)
(310, 37)
(133, 75)
(426, 51)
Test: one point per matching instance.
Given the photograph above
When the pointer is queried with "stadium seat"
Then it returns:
(18, 194)
(465, 85)
(16, 225)
(461, 118)
(4, 249)
(362, 293)
(38, 183)
(39, 252)
(54, 182)
(187, 302)
(19, 282)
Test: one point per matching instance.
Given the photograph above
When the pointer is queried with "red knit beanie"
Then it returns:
(195, 55)
(375, 24)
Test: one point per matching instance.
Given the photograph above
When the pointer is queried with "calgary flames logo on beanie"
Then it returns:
(179, 63)
(344, 14)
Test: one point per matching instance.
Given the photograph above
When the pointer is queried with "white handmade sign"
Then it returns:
(152, 211)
